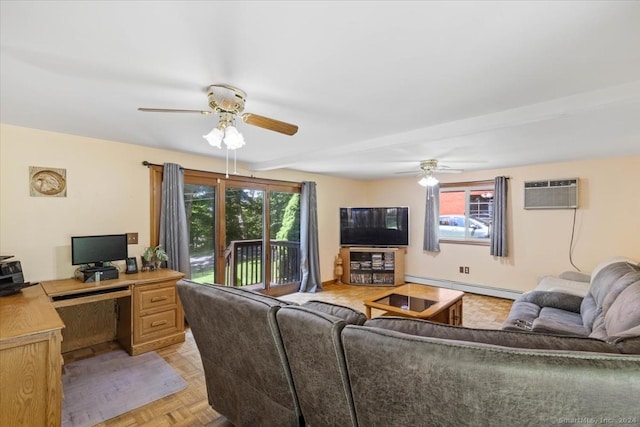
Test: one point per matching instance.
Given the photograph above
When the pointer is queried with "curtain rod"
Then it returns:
(149, 164)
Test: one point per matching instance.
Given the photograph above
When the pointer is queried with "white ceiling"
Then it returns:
(374, 86)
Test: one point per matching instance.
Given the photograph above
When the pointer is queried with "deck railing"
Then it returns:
(243, 262)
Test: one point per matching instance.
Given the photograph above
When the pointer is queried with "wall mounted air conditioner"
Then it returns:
(551, 194)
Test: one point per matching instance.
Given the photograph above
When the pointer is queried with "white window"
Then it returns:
(465, 212)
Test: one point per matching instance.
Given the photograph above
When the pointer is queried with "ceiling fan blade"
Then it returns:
(447, 170)
(271, 124)
(409, 173)
(171, 110)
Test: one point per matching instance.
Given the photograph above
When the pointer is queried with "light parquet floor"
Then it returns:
(190, 407)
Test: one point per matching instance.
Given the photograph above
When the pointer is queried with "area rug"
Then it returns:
(105, 386)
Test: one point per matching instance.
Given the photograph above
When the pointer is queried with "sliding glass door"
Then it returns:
(242, 231)
(244, 235)
(284, 229)
(200, 207)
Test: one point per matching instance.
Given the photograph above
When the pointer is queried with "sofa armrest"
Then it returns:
(575, 276)
(557, 300)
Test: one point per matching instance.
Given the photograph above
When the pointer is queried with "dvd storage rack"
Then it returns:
(373, 266)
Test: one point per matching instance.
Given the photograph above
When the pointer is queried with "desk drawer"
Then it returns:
(156, 297)
(157, 325)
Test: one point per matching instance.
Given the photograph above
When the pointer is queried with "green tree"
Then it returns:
(290, 226)
(243, 211)
(199, 206)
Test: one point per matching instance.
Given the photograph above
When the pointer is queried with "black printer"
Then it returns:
(11, 278)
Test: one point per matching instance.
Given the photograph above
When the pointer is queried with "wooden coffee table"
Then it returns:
(420, 302)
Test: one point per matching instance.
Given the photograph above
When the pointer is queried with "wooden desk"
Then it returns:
(149, 316)
(30, 360)
(144, 306)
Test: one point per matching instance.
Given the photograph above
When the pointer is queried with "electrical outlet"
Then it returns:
(466, 270)
(461, 269)
(132, 238)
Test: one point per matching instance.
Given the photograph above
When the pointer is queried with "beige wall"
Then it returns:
(607, 224)
(108, 192)
(111, 195)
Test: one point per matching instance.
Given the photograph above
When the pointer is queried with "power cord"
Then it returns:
(573, 230)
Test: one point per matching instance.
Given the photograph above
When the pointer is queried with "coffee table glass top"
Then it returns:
(406, 302)
(413, 300)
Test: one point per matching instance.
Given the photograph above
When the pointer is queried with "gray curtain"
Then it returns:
(432, 220)
(173, 219)
(309, 252)
(499, 218)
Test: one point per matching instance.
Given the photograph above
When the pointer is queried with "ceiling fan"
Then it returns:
(428, 168)
(228, 102)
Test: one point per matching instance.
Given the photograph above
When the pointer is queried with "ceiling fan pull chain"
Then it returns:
(235, 158)
(227, 175)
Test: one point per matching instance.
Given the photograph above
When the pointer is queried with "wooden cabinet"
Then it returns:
(373, 266)
(30, 360)
(158, 319)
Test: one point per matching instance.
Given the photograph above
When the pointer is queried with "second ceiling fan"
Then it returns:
(428, 168)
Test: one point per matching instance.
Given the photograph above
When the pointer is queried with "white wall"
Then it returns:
(607, 224)
(108, 192)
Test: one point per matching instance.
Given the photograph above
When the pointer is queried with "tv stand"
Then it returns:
(372, 266)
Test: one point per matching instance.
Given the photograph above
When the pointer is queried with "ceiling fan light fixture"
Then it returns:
(214, 138)
(232, 138)
(428, 181)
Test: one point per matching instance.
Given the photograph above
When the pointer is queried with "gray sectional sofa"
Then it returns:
(270, 363)
(610, 310)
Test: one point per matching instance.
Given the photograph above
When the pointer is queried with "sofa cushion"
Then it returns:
(313, 348)
(528, 308)
(557, 321)
(242, 354)
(601, 284)
(348, 314)
(552, 314)
(554, 325)
(599, 329)
(612, 260)
(515, 339)
(559, 300)
(619, 286)
(624, 313)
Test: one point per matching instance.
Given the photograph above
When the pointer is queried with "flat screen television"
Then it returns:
(97, 250)
(374, 226)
